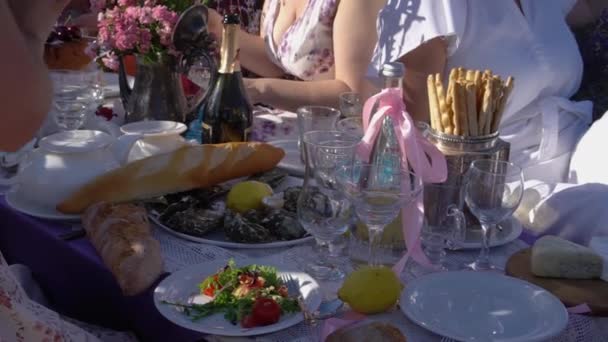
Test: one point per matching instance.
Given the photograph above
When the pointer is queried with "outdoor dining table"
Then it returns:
(78, 284)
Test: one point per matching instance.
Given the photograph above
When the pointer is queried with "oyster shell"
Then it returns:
(245, 228)
(290, 198)
(283, 225)
(196, 221)
(274, 178)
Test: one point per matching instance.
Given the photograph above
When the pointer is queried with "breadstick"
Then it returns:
(453, 78)
(471, 91)
(461, 125)
(470, 75)
(496, 93)
(486, 105)
(433, 104)
(446, 121)
(478, 92)
(508, 88)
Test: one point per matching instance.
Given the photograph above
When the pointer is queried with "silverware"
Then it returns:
(293, 288)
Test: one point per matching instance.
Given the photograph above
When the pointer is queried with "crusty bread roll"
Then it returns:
(187, 168)
(367, 331)
(121, 235)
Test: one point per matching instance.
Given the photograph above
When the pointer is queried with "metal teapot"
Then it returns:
(158, 93)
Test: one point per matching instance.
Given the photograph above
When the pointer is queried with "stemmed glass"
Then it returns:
(493, 191)
(377, 194)
(315, 118)
(351, 104)
(324, 211)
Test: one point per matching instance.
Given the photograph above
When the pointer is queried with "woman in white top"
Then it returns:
(527, 39)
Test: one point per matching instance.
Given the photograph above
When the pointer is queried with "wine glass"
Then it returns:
(493, 190)
(323, 211)
(377, 193)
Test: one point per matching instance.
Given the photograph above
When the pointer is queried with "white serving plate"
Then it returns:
(483, 306)
(182, 287)
(20, 204)
(218, 238)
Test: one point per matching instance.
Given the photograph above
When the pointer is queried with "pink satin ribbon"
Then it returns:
(417, 153)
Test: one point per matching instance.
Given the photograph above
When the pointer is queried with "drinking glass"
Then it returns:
(315, 118)
(444, 227)
(493, 190)
(323, 211)
(377, 194)
(352, 125)
(351, 104)
(76, 94)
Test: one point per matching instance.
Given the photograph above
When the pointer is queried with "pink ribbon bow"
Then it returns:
(417, 153)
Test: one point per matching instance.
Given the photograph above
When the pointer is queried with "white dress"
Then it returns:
(536, 47)
(566, 184)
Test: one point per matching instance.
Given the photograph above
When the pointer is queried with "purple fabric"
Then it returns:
(77, 282)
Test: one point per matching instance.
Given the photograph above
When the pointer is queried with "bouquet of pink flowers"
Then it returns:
(138, 27)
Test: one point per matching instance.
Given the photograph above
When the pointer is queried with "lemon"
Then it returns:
(392, 234)
(371, 290)
(247, 195)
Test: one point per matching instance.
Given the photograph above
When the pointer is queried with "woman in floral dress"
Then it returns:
(325, 43)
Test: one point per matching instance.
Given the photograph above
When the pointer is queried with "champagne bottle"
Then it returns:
(227, 114)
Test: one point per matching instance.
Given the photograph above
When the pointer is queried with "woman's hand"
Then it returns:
(253, 87)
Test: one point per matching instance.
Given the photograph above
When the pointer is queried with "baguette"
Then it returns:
(367, 331)
(121, 235)
(187, 168)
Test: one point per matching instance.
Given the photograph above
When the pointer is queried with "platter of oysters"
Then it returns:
(257, 212)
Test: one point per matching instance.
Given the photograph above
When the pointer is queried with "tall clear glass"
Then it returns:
(75, 94)
(323, 210)
(493, 190)
(315, 118)
(377, 195)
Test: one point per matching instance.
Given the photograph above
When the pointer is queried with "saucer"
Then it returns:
(20, 204)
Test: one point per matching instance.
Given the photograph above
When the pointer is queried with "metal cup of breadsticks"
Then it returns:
(464, 122)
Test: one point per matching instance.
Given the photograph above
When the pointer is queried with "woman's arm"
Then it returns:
(354, 38)
(25, 87)
(428, 58)
(253, 55)
(585, 12)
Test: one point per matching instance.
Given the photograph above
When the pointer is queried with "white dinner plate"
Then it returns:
(182, 287)
(17, 202)
(483, 306)
(219, 239)
(511, 230)
(291, 162)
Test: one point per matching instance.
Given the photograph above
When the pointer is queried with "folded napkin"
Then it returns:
(599, 244)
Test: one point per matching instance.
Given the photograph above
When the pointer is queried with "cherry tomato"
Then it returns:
(266, 311)
(248, 322)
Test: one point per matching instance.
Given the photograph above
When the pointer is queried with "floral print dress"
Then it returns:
(306, 48)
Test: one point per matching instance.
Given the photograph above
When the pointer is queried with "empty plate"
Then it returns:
(483, 306)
